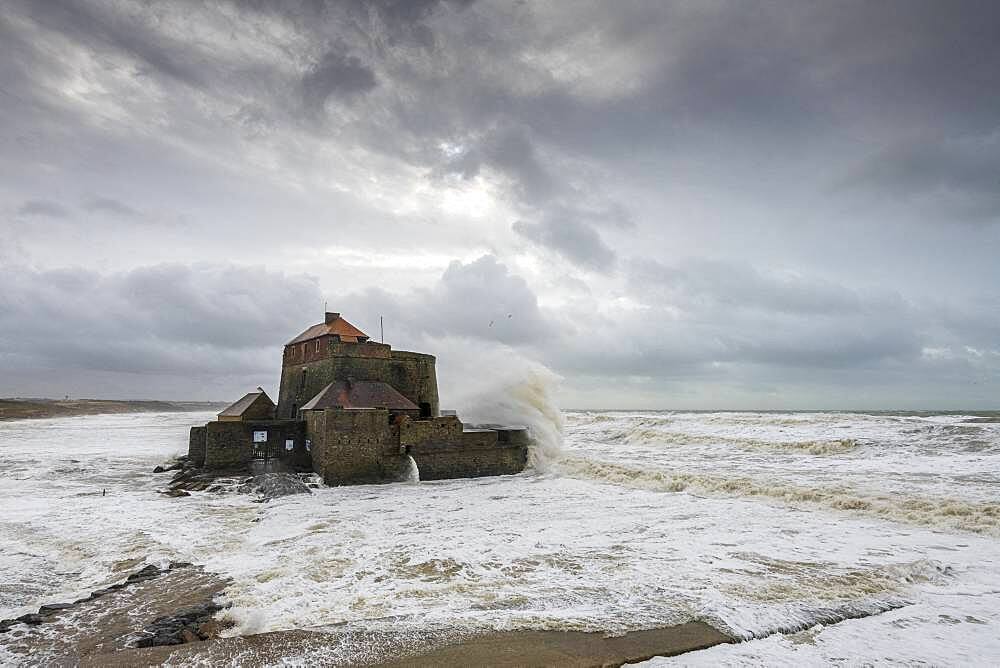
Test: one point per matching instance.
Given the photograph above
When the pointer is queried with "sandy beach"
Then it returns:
(500, 650)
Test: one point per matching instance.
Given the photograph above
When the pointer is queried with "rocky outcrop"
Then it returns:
(274, 485)
(151, 607)
(190, 478)
(191, 625)
(48, 611)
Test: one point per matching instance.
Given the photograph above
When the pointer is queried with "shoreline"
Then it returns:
(176, 615)
(36, 409)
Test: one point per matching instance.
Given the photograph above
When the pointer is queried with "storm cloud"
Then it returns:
(696, 204)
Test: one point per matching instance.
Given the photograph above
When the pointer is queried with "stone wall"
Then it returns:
(260, 409)
(354, 446)
(412, 374)
(443, 448)
(441, 431)
(196, 446)
(470, 463)
(315, 426)
(326, 346)
(230, 445)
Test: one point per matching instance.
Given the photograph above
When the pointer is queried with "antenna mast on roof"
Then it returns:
(381, 330)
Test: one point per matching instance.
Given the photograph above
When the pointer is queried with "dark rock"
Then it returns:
(158, 641)
(176, 493)
(159, 469)
(183, 627)
(31, 618)
(49, 608)
(147, 573)
(213, 628)
(179, 564)
(273, 485)
(183, 475)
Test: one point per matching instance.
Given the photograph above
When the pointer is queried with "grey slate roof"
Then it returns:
(359, 394)
(243, 404)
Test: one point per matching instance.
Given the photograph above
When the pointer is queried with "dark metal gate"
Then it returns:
(267, 451)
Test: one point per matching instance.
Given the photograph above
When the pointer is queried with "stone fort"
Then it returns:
(354, 411)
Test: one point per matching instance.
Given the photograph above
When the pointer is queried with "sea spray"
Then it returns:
(412, 472)
(500, 386)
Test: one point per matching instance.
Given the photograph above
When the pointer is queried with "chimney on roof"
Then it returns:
(330, 317)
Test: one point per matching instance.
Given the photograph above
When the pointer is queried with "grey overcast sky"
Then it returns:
(692, 204)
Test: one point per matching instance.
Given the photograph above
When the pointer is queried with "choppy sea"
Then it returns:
(819, 538)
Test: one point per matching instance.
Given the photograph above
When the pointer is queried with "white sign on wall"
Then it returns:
(260, 437)
(289, 444)
(308, 445)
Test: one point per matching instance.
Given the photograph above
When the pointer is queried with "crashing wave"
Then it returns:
(517, 391)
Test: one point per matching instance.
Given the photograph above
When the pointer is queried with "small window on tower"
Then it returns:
(317, 345)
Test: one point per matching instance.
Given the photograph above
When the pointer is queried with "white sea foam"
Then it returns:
(942, 512)
(761, 540)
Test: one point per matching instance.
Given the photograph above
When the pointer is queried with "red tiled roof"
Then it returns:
(359, 394)
(334, 325)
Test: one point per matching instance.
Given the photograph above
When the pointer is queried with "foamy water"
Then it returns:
(761, 524)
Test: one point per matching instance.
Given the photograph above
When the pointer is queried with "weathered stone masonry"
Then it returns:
(356, 412)
(307, 370)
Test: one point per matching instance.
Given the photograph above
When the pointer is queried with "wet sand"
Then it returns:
(555, 648)
(506, 649)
